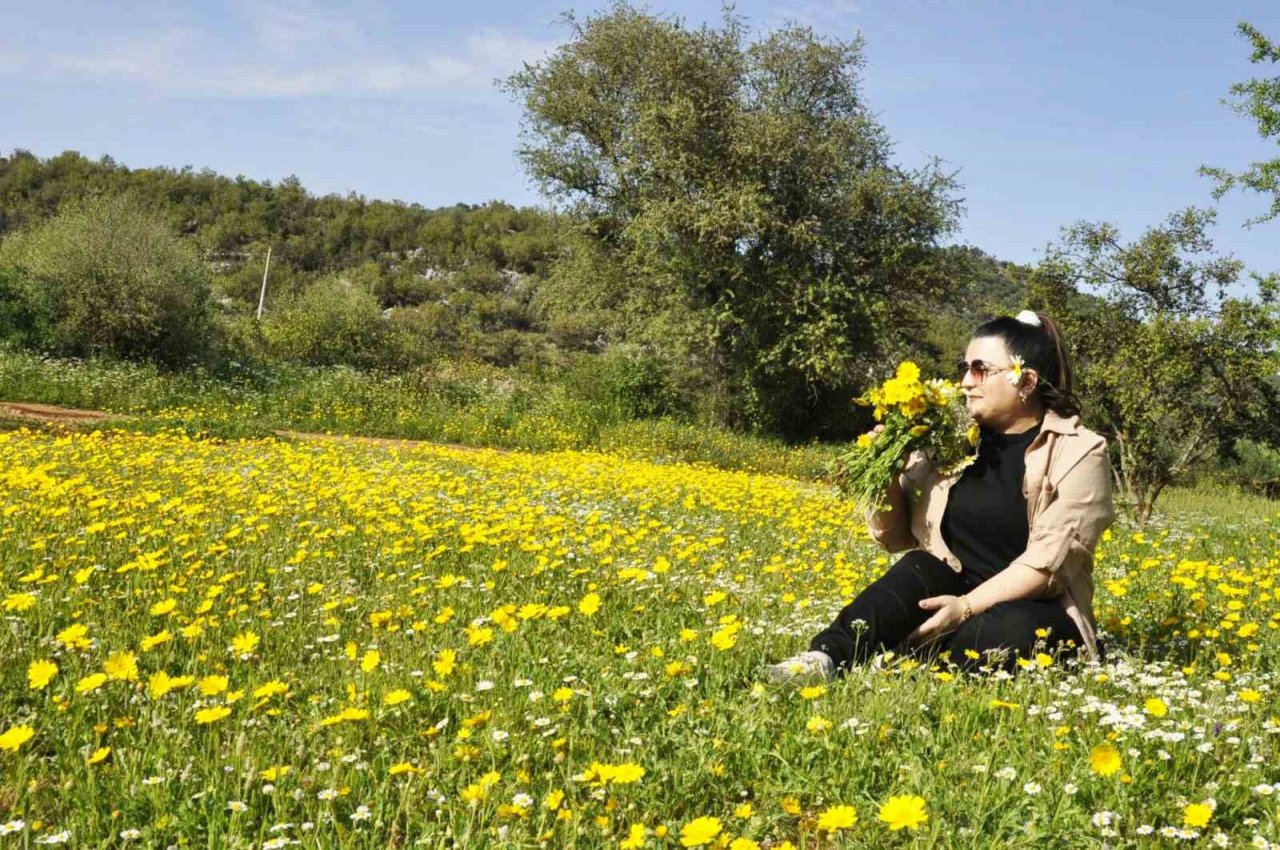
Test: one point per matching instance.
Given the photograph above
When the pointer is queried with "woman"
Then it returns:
(1001, 558)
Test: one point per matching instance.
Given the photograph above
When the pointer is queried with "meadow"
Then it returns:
(264, 643)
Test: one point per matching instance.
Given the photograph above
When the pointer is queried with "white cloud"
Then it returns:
(299, 53)
(290, 28)
(152, 58)
(814, 14)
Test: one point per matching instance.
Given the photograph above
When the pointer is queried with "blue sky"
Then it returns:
(1051, 111)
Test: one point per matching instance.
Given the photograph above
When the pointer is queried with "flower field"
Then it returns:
(269, 644)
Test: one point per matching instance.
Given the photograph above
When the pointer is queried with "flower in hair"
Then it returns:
(1028, 317)
(1015, 370)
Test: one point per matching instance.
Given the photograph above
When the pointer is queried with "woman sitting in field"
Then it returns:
(1001, 560)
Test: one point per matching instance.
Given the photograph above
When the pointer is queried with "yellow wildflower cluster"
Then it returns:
(489, 649)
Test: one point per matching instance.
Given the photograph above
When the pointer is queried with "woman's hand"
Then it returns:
(949, 614)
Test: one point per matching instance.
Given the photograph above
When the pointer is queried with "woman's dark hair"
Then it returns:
(1041, 348)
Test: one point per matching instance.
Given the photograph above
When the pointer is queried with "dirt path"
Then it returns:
(57, 415)
(53, 413)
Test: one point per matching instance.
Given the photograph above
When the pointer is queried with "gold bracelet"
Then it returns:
(968, 609)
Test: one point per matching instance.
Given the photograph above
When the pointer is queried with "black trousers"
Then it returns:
(888, 610)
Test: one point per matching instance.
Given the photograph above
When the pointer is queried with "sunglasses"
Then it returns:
(978, 368)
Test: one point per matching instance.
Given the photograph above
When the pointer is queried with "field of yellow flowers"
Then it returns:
(267, 644)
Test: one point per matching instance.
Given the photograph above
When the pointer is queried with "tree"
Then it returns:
(735, 205)
(1261, 102)
(107, 276)
(1172, 368)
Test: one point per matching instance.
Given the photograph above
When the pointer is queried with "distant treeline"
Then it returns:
(388, 284)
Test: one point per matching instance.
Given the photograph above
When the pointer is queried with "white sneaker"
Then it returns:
(807, 666)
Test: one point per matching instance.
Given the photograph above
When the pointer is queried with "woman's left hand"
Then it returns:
(949, 614)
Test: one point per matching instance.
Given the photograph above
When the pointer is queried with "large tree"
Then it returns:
(1259, 99)
(1173, 367)
(737, 206)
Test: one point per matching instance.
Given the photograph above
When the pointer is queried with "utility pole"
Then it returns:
(262, 296)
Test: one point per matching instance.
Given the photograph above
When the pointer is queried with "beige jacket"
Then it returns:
(1068, 488)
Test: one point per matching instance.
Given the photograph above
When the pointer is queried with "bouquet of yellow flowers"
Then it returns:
(927, 416)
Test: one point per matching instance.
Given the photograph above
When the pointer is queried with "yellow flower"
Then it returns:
(744, 844)
(726, 638)
(275, 772)
(401, 767)
(40, 673)
(15, 736)
(1250, 696)
(370, 661)
(212, 714)
(700, 832)
(837, 817)
(122, 666)
(396, 697)
(446, 661)
(149, 643)
(91, 683)
(1156, 707)
(245, 643)
(212, 685)
(74, 636)
(159, 684)
(625, 774)
(818, 724)
(589, 604)
(1197, 815)
(813, 691)
(99, 755)
(635, 837)
(162, 608)
(19, 602)
(904, 812)
(347, 714)
(553, 800)
(1104, 760)
(267, 690)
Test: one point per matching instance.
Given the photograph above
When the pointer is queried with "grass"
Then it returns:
(260, 642)
(469, 405)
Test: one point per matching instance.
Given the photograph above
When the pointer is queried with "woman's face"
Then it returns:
(993, 402)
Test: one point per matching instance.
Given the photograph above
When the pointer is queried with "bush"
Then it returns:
(107, 276)
(20, 324)
(333, 322)
(630, 382)
(1256, 469)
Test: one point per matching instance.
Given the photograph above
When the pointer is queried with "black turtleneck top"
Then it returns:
(985, 523)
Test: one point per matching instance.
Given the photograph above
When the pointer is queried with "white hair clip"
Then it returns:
(1028, 317)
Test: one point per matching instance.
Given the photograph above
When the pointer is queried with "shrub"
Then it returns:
(1256, 469)
(107, 276)
(331, 322)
